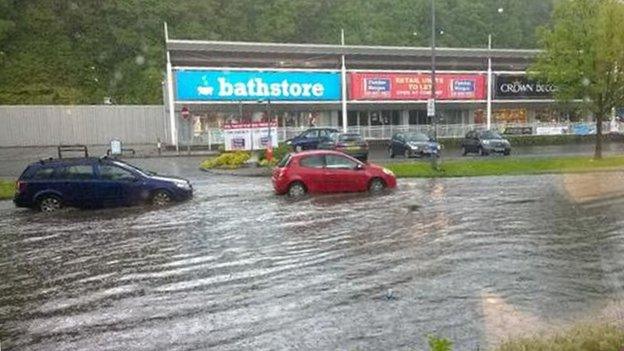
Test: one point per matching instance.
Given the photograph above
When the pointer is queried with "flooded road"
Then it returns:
(238, 268)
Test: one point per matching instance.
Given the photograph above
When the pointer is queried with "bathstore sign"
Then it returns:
(521, 87)
(205, 85)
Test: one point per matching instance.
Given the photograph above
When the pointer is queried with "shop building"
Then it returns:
(384, 88)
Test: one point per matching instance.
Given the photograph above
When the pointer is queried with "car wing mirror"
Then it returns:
(359, 167)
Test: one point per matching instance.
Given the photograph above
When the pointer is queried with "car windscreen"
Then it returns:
(416, 137)
(350, 137)
(490, 135)
(134, 168)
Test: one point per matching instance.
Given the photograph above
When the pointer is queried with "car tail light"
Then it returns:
(20, 186)
(280, 172)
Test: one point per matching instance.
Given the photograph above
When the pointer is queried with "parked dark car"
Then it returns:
(309, 139)
(351, 144)
(413, 144)
(485, 143)
(93, 183)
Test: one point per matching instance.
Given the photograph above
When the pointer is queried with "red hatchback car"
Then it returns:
(325, 171)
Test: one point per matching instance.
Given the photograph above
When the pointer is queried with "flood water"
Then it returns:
(238, 268)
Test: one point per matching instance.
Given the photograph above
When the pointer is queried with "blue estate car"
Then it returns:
(94, 182)
(310, 139)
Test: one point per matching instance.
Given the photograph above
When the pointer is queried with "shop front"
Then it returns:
(221, 99)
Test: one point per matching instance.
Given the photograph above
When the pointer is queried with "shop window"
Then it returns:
(418, 117)
(352, 118)
(375, 118)
(451, 117)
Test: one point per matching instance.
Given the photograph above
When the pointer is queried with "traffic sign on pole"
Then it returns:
(430, 107)
(185, 113)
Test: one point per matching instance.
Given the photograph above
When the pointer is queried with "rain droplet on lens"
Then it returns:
(390, 295)
(413, 208)
(140, 60)
(118, 75)
(73, 6)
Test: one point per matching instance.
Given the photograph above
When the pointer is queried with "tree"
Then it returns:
(584, 56)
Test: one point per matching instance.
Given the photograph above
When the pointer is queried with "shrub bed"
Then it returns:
(228, 160)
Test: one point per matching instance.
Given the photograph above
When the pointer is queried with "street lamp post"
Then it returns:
(269, 148)
(431, 110)
(489, 78)
(433, 71)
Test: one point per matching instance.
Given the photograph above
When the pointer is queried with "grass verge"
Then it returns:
(7, 189)
(587, 338)
(505, 166)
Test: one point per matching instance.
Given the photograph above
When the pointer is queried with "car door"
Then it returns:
(77, 182)
(309, 140)
(344, 175)
(313, 174)
(118, 186)
(471, 142)
(396, 144)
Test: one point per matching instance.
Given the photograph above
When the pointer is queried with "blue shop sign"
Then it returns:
(204, 85)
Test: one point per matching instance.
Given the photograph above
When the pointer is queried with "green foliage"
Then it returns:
(439, 344)
(79, 52)
(278, 152)
(505, 166)
(587, 338)
(7, 189)
(267, 163)
(228, 160)
(584, 54)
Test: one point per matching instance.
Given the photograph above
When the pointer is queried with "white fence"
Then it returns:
(385, 132)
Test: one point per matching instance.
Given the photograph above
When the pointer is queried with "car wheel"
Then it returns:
(464, 152)
(298, 148)
(297, 189)
(507, 152)
(50, 203)
(376, 185)
(161, 198)
(390, 152)
(406, 153)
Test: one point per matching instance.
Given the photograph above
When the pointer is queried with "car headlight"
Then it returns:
(413, 147)
(438, 147)
(486, 142)
(183, 185)
(288, 142)
(388, 172)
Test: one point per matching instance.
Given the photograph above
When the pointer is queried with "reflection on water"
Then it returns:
(238, 268)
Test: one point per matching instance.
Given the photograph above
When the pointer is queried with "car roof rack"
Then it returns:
(72, 148)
